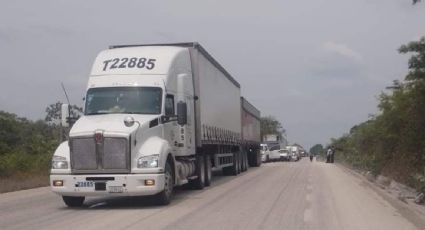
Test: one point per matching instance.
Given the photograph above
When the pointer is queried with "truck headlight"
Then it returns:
(148, 161)
(59, 162)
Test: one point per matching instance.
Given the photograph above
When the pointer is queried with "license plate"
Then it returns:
(115, 189)
(84, 184)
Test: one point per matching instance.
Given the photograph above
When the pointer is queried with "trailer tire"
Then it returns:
(199, 182)
(239, 162)
(164, 197)
(244, 161)
(208, 170)
(258, 158)
(73, 201)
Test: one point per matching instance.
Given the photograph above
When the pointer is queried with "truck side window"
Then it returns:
(169, 105)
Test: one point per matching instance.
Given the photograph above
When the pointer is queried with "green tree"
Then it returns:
(25, 146)
(316, 149)
(393, 141)
(53, 112)
(417, 61)
(270, 125)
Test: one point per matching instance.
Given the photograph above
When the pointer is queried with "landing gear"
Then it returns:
(235, 168)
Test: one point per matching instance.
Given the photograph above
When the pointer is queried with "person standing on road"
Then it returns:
(328, 155)
(311, 156)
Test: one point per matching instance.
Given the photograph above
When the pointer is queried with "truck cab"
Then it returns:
(130, 134)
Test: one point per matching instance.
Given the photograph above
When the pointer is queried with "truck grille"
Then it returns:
(109, 156)
(114, 153)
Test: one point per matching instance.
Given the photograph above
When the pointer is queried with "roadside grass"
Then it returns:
(19, 171)
(23, 181)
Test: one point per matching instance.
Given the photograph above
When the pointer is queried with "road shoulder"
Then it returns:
(409, 210)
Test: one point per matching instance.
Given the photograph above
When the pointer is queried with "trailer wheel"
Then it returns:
(164, 197)
(244, 161)
(73, 201)
(199, 182)
(208, 172)
(258, 158)
(238, 162)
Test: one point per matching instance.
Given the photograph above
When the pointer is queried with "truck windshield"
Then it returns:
(133, 100)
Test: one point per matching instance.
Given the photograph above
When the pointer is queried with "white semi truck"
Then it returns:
(156, 116)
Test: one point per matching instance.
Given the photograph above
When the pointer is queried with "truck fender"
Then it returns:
(156, 145)
(63, 151)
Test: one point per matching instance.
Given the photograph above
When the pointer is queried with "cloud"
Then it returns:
(342, 49)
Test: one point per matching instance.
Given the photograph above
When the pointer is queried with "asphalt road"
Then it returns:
(280, 195)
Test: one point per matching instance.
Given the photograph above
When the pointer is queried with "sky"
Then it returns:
(316, 65)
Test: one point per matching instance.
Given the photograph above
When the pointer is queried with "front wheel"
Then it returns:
(164, 197)
(73, 201)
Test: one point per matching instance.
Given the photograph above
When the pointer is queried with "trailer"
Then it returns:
(251, 133)
(156, 116)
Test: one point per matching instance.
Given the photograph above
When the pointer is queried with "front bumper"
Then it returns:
(284, 157)
(121, 185)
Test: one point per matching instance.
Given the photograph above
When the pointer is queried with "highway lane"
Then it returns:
(280, 195)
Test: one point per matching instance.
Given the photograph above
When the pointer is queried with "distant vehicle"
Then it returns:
(295, 156)
(271, 137)
(284, 155)
(294, 153)
(274, 154)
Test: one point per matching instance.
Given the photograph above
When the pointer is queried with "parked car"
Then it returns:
(274, 154)
(265, 152)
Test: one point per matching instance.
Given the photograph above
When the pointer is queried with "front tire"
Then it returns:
(164, 197)
(73, 201)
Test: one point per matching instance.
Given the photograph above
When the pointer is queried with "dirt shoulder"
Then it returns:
(21, 182)
(405, 205)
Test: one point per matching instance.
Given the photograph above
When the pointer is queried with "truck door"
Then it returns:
(186, 132)
(188, 129)
(171, 127)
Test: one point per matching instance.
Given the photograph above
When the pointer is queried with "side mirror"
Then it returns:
(181, 113)
(64, 115)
